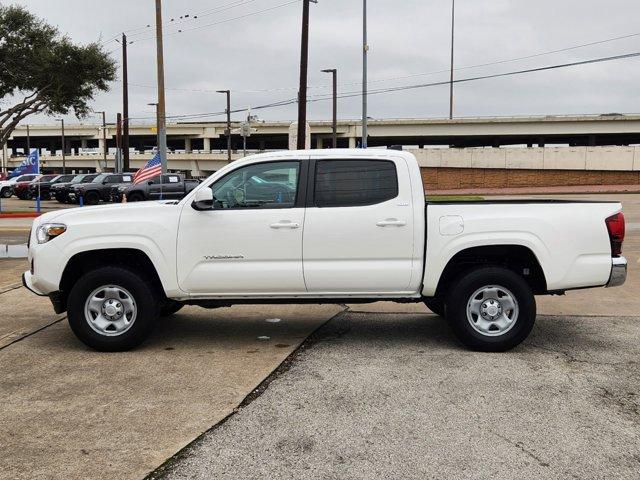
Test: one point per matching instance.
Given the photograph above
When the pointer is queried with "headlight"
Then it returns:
(49, 231)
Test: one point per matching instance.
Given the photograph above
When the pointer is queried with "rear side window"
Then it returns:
(350, 183)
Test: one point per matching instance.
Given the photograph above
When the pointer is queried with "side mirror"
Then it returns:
(150, 182)
(203, 199)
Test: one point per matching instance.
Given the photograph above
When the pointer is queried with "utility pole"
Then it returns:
(228, 131)
(118, 143)
(162, 114)
(125, 106)
(28, 141)
(64, 159)
(334, 74)
(302, 92)
(453, 21)
(365, 50)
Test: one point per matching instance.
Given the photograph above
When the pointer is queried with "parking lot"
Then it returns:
(337, 391)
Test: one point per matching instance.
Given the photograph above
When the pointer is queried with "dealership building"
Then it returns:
(481, 152)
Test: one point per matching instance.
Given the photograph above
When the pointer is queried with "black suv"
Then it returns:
(173, 187)
(45, 186)
(61, 190)
(99, 188)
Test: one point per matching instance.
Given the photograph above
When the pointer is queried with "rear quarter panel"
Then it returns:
(570, 240)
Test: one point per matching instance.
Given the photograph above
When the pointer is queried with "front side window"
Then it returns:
(262, 185)
(349, 183)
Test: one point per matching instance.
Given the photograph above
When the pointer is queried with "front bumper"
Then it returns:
(618, 272)
(27, 282)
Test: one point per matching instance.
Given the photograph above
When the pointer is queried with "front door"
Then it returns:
(250, 242)
(359, 232)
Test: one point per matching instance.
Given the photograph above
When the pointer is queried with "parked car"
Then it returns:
(6, 186)
(23, 191)
(173, 187)
(356, 230)
(45, 186)
(99, 188)
(61, 190)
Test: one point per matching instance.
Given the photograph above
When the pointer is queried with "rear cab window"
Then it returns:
(351, 183)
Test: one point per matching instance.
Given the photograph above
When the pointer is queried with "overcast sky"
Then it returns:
(258, 56)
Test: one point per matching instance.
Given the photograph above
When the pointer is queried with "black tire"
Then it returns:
(135, 197)
(6, 192)
(90, 198)
(507, 282)
(60, 199)
(436, 305)
(45, 196)
(169, 307)
(142, 293)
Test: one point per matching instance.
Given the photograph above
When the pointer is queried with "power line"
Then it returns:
(417, 86)
(200, 27)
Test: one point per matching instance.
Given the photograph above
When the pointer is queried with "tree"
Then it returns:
(42, 71)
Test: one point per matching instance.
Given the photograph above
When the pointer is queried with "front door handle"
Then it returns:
(285, 224)
(391, 222)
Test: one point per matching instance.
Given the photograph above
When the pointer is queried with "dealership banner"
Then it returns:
(30, 165)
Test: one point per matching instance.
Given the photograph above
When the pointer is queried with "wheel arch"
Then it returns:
(518, 258)
(85, 261)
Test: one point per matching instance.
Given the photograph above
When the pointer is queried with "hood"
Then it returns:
(113, 210)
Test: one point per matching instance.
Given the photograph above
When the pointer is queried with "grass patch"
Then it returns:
(454, 198)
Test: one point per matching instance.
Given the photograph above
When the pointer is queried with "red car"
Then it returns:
(21, 189)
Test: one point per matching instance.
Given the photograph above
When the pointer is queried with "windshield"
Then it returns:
(83, 178)
(25, 178)
(100, 178)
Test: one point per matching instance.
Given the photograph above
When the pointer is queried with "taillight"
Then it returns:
(615, 227)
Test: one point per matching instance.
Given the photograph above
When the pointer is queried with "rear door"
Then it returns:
(358, 232)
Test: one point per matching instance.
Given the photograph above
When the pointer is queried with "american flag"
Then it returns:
(153, 168)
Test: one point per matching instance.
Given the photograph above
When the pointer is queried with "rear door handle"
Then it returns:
(391, 222)
(285, 224)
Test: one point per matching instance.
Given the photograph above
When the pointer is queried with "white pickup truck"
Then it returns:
(322, 226)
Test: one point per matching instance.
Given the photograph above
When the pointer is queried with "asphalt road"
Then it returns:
(378, 396)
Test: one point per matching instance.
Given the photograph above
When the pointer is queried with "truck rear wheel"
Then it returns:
(112, 309)
(491, 309)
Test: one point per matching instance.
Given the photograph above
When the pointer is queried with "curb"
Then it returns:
(20, 215)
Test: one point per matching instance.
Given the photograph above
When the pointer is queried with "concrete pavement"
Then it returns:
(68, 412)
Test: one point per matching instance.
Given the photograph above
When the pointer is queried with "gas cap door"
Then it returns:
(451, 225)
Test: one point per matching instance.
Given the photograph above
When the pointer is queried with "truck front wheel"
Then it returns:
(436, 305)
(112, 309)
(491, 309)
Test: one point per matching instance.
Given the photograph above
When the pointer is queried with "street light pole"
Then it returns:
(104, 138)
(334, 74)
(228, 131)
(28, 141)
(365, 50)
(64, 160)
(125, 106)
(453, 20)
(162, 114)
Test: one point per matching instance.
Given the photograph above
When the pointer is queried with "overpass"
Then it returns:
(567, 145)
